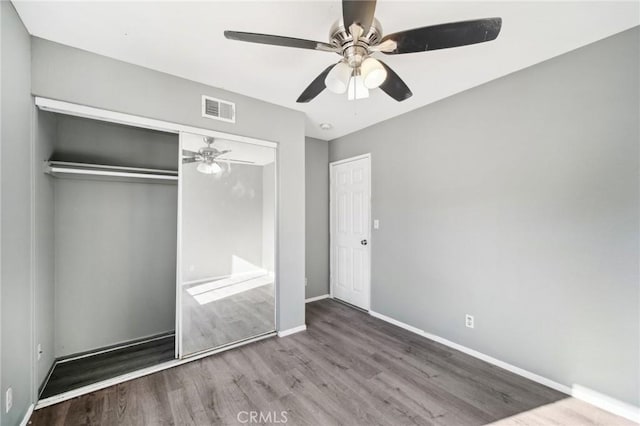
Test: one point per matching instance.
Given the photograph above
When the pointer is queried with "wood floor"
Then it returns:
(74, 374)
(348, 368)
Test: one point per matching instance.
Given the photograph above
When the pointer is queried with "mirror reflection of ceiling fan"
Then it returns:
(209, 159)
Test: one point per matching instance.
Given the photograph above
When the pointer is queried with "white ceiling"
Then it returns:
(186, 39)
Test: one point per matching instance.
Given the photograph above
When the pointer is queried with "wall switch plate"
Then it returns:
(376, 224)
(468, 321)
(306, 281)
(39, 351)
(8, 402)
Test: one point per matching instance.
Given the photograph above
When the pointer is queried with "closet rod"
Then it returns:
(63, 167)
(102, 166)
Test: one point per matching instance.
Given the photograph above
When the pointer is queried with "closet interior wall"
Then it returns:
(44, 264)
(105, 248)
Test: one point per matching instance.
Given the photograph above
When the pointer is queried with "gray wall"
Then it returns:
(46, 127)
(317, 216)
(221, 221)
(115, 251)
(15, 223)
(73, 75)
(517, 202)
(115, 241)
(91, 141)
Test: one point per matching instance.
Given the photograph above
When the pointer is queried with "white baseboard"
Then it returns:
(396, 323)
(27, 416)
(293, 330)
(599, 400)
(315, 299)
(606, 402)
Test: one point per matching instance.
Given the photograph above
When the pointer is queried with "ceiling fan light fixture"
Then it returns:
(374, 74)
(359, 34)
(209, 168)
(357, 89)
(338, 78)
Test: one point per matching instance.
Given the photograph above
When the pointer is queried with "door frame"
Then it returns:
(332, 164)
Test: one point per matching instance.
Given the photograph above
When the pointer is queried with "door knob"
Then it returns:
(363, 242)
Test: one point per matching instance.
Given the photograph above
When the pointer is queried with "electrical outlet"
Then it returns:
(376, 224)
(8, 402)
(39, 351)
(468, 321)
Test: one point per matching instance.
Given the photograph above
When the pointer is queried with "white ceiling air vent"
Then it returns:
(218, 109)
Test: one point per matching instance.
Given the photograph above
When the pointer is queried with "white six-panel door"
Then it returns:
(350, 230)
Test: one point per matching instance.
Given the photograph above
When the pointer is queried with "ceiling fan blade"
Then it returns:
(189, 160)
(188, 153)
(315, 87)
(280, 41)
(394, 86)
(358, 12)
(444, 36)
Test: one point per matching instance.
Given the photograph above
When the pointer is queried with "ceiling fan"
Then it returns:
(208, 158)
(359, 35)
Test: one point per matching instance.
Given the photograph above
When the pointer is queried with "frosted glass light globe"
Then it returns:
(338, 78)
(373, 73)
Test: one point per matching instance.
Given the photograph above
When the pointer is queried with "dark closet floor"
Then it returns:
(76, 373)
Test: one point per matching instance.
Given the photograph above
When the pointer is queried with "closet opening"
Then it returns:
(106, 232)
(155, 244)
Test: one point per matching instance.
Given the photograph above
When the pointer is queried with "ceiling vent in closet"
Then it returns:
(218, 109)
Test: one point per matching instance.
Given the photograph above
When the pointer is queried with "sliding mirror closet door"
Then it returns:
(226, 243)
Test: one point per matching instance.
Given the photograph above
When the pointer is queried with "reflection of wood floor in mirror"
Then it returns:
(215, 316)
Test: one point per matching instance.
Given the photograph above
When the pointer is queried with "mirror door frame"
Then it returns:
(179, 349)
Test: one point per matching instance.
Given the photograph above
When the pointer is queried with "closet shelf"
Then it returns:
(66, 168)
